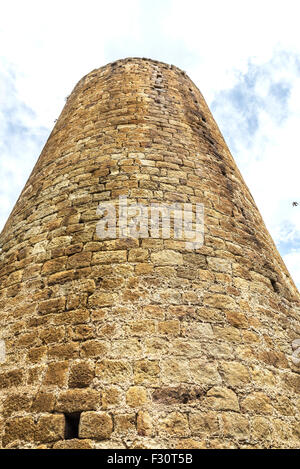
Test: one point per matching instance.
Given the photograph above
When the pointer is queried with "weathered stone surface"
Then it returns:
(171, 328)
(175, 371)
(235, 374)
(203, 423)
(99, 299)
(175, 424)
(167, 257)
(55, 305)
(261, 430)
(95, 425)
(204, 373)
(63, 351)
(177, 394)
(18, 429)
(150, 341)
(136, 396)
(146, 372)
(237, 319)
(190, 443)
(43, 402)
(235, 426)
(16, 403)
(81, 375)
(144, 424)
(296, 344)
(10, 378)
(56, 373)
(54, 265)
(73, 444)
(109, 257)
(77, 400)
(219, 265)
(142, 328)
(81, 259)
(257, 402)
(220, 398)
(138, 255)
(125, 424)
(114, 371)
(94, 349)
(219, 301)
(50, 428)
(111, 397)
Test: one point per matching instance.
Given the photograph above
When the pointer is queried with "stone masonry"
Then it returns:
(142, 343)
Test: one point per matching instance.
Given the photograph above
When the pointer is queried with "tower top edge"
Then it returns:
(127, 60)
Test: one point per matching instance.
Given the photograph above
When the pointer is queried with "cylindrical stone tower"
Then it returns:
(142, 341)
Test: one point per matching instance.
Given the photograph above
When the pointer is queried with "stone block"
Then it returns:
(96, 425)
(77, 400)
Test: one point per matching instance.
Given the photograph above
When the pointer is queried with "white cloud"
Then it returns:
(227, 33)
(292, 261)
(21, 140)
(259, 118)
(53, 44)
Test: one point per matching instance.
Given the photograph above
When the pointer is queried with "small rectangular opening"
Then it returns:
(274, 285)
(72, 425)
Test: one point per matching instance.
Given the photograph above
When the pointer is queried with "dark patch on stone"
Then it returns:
(175, 395)
(72, 425)
(274, 285)
(215, 153)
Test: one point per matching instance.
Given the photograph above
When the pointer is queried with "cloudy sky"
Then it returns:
(244, 55)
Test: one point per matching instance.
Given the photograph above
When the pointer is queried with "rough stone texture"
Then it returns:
(146, 343)
(96, 425)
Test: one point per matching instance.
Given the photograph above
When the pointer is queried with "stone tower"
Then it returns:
(142, 342)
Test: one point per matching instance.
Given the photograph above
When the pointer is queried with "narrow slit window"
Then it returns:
(72, 425)
(274, 285)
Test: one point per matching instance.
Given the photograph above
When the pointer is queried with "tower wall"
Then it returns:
(141, 342)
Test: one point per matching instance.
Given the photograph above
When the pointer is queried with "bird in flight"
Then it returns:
(294, 204)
